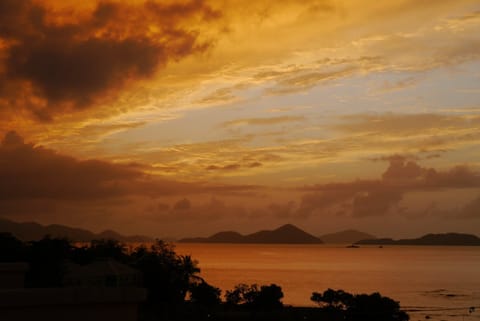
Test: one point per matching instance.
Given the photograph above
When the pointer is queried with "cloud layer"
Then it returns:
(33, 172)
(58, 59)
(172, 105)
(39, 182)
(29, 172)
(364, 198)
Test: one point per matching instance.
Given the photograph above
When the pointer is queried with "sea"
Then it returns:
(430, 282)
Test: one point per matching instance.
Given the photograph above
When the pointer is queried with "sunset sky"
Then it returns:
(184, 118)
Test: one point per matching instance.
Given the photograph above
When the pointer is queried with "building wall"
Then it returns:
(71, 304)
(83, 312)
(12, 275)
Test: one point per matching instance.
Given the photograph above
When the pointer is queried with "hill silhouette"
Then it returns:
(31, 231)
(346, 237)
(428, 239)
(220, 237)
(286, 234)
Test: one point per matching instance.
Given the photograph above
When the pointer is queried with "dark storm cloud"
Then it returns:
(323, 200)
(72, 62)
(366, 198)
(375, 202)
(402, 168)
(210, 211)
(29, 172)
(469, 210)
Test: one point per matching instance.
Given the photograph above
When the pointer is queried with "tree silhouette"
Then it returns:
(205, 294)
(47, 262)
(166, 275)
(360, 307)
(336, 299)
(270, 297)
(103, 248)
(374, 307)
(264, 297)
(11, 249)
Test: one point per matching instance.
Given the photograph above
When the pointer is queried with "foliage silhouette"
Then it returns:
(11, 249)
(46, 258)
(253, 296)
(103, 248)
(360, 307)
(205, 294)
(336, 299)
(166, 275)
(239, 294)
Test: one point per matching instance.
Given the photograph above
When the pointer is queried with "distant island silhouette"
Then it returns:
(31, 231)
(429, 239)
(285, 234)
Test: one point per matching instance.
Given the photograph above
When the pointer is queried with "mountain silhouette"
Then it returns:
(346, 237)
(286, 234)
(31, 231)
(220, 237)
(428, 239)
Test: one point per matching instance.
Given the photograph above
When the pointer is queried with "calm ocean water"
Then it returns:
(436, 283)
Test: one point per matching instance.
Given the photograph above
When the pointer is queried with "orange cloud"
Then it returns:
(233, 167)
(407, 124)
(263, 121)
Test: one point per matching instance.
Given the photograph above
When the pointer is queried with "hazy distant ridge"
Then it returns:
(286, 234)
(429, 239)
(33, 231)
(346, 237)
